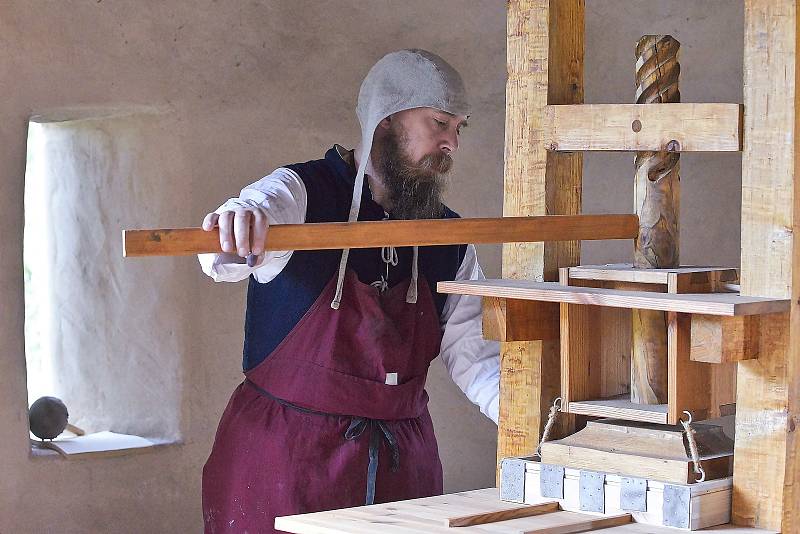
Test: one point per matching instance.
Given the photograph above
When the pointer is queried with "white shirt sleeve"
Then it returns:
(473, 362)
(285, 199)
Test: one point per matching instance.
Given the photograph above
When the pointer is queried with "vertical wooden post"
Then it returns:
(766, 485)
(545, 66)
(657, 203)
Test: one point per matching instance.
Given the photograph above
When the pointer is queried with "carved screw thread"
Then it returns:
(657, 187)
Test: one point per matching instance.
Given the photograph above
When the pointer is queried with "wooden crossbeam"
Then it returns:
(642, 127)
(319, 236)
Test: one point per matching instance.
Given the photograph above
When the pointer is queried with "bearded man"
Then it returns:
(333, 411)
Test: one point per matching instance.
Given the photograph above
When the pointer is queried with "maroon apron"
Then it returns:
(314, 426)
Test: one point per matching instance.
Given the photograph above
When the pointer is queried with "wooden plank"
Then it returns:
(766, 471)
(585, 525)
(545, 41)
(369, 234)
(519, 320)
(501, 515)
(689, 381)
(724, 304)
(660, 127)
(724, 339)
(625, 272)
(620, 408)
(581, 364)
(641, 450)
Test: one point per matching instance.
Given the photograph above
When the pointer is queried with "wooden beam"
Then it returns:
(637, 127)
(725, 304)
(519, 320)
(724, 339)
(689, 381)
(545, 66)
(766, 482)
(339, 235)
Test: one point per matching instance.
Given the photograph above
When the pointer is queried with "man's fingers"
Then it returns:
(225, 221)
(260, 228)
(209, 221)
(241, 231)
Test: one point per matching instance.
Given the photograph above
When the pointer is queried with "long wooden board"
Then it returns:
(340, 235)
(636, 127)
(725, 304)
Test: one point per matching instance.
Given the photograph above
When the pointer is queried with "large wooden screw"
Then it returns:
(657, 203)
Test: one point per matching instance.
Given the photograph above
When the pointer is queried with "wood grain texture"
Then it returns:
(766, 471)
(422, 516)
(545, 46)
(694, 279)
(724, 339)
(340, 235)
(724, 304)
(650, 451)
(620, 408)
(501, 515)
(590, 523)
(519, 320)
(689, 381)
(664, 127)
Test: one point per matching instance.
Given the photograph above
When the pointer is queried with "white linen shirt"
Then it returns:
(472, 362)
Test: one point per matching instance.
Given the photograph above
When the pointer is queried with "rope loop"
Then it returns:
(690, 433)
(551, 419)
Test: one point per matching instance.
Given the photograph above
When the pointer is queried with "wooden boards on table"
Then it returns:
(428, 515)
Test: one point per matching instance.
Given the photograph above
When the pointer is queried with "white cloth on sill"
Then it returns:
(472, 362)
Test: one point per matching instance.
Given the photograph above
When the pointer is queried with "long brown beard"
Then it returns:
(415, 189)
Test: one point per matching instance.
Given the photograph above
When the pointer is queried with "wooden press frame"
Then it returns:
(545, 68)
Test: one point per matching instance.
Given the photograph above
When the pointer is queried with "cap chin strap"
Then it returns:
(355, 207)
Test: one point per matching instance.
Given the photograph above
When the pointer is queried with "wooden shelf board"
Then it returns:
(620, 408)
(625, 272)
(724, 304)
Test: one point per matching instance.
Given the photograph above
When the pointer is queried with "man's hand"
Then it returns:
(242, 231)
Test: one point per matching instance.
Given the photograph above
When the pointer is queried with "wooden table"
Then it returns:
(431, 514)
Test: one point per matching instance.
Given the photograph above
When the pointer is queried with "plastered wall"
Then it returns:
(231, 90)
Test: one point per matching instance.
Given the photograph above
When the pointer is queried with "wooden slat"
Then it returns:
(766, 470)
(581, 359)
(620, 409)
(318, 236)
(545, 66)
(670, 127)
(689, 381)
(724, 304)
(590, 523)
(502, 515)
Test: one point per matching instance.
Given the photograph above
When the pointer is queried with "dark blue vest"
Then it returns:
(274, 308)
